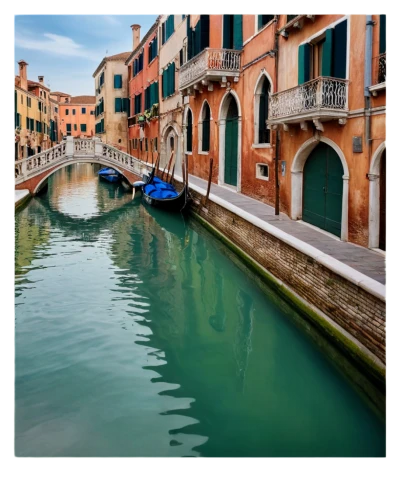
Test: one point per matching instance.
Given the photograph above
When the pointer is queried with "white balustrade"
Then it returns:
(323, 93)
(218, 61)
(91, 150)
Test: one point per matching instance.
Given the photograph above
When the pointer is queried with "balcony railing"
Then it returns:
(379, 69)
(324, 96)
(212, 64)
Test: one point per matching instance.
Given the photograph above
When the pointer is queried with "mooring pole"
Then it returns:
(209, 179)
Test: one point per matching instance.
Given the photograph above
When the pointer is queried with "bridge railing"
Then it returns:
(76, 150)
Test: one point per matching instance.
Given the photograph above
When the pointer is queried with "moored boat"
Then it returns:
(161, 194)
(109, 174)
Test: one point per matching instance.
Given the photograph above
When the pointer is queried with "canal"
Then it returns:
(140, 334)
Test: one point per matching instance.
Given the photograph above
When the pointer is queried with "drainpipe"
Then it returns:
(277, 133)
(368, 80)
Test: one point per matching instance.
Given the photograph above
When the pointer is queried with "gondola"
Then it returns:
(161, 194)
(109, 175)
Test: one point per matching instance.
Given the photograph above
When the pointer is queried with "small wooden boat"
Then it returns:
(109, 175)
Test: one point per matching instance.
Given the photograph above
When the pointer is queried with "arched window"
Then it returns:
(205, 125)
(189, 131)
(263, 90)
(204, 129)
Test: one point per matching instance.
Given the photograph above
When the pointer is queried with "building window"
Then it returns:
(146, 144)
(261, 101)
(264, 20)
(101, 80)
(75, 127)
(84, 111)
(189, 131)
(262, 171)
(152, 49)
(204, 128)
(38, 126)
(168, 81)
(91, 112)
(55, 110)
(199, 38)
(121, 105)
(39, 106)
(73, 111)
(138, 104)
(29, 102)
(22, 99)
(167, 28)
(118, 81)
(232, 35)
(68, 129)
(326, 55)
(45, 110)
(67, 111)
(155, 143)
(83, 127)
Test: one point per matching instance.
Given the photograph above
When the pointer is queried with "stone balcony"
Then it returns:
(319, 100)
(210, 65)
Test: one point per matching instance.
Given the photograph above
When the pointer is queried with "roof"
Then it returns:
(116, 57)
(60, 93)
(143, 41)
(37, 84)
(80, 99)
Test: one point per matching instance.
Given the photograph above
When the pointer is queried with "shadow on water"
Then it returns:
(236, 371)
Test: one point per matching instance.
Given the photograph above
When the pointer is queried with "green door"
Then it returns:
(231, 144)
(323, 188)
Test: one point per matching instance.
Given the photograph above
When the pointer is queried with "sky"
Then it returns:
(66, 50)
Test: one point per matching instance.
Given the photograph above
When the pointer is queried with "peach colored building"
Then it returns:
(76, 115)
(143, 124)
(292, 110)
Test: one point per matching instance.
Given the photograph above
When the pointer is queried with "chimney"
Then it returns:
(41, 79)
(23, 74)
(136, 35)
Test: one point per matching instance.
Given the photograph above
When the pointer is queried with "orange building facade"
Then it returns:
(292, 111)
(76, 115)
(143, 124)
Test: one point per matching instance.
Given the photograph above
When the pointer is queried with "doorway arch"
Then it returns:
(171, 141)
(297, 171)
(230, 133)
(377, 198)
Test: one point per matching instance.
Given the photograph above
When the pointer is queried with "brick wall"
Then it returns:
(357, 311)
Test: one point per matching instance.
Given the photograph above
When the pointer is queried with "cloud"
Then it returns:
(55, 44)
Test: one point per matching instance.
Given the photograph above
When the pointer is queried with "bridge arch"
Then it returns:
(65, 163)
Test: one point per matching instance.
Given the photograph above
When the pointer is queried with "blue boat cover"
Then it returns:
(160, 189)
(108, 171)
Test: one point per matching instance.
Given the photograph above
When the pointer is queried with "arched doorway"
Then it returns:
(323, 189)
(382, 202)
(231, 143)
(171, 142)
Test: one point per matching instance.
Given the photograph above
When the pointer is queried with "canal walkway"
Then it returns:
(368, 262)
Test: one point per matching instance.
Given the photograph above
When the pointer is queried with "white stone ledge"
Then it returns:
(366, 283)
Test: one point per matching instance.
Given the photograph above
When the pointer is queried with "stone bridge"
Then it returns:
(31, 173)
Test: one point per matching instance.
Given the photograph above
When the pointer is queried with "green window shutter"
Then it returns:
(382, 34)
(126, 105)
(189, 39)
(304, 63)
(172, 78)
(157, 99)
(260, 22)
(227, 32)
(238, 32)
(83, 127)
(27, 122)
(118, 81)
(197, 38)
(206, 129)
(68, 127)
(163, 33)
(340, 50)
(327, 49)
(117, 105)
(204, 31)
(189, 132)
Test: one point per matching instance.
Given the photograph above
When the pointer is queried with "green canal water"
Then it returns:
(139, 334)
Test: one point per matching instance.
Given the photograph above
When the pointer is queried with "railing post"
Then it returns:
(98, 147)
(69, 147)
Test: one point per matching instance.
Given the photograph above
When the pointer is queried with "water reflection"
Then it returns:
(138, 336)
